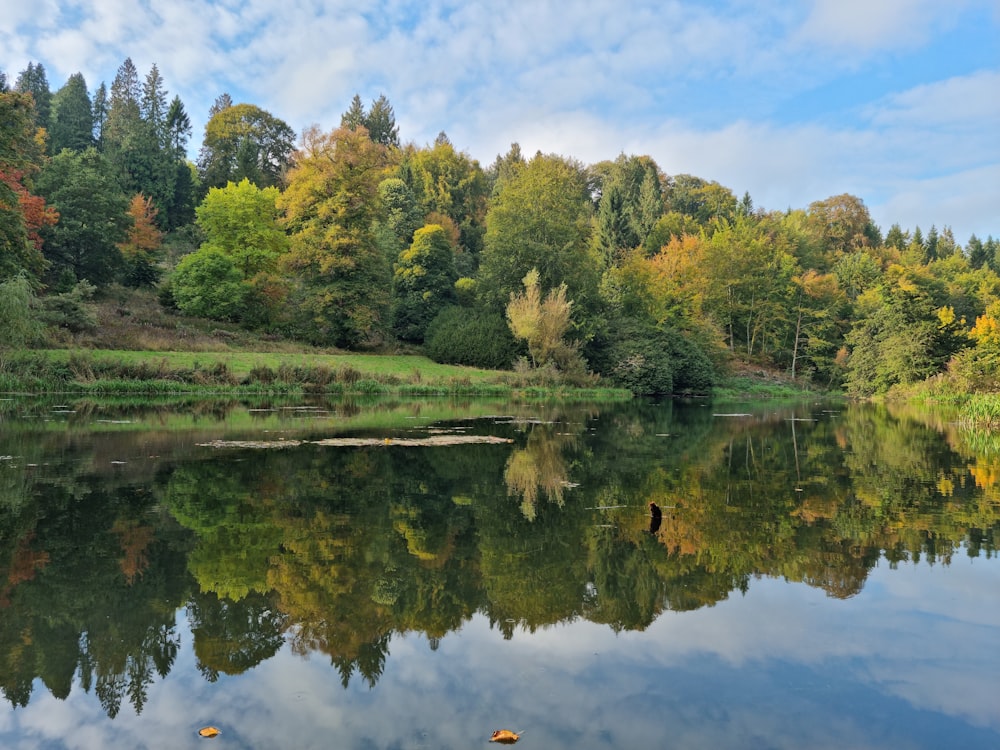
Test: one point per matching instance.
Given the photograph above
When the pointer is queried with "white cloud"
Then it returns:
(697, 86)
(871, 25)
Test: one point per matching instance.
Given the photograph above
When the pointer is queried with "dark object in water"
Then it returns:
(655, 517)
(505, 736)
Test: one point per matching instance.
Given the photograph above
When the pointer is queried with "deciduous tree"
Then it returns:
(423, 283)
(330, 204)
(242, 222)
(245, 141)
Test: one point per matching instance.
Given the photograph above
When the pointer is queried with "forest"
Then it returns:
(350, 238)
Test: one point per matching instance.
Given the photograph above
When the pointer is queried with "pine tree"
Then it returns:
(100, 111)
(32, 81)
(72, 117)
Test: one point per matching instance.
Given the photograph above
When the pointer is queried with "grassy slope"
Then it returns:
(133, 328)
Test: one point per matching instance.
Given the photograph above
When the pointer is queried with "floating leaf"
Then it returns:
(505, 736)
(209, 732)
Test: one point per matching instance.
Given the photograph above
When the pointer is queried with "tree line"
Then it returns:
(351, 238)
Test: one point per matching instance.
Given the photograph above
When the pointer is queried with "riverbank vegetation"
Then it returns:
(346, 239)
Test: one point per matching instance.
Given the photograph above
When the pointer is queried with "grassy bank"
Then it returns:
(105, 372)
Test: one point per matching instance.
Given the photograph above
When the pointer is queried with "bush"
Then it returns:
(464, 336)
(652, 361)
(206, 284)
(70, 310)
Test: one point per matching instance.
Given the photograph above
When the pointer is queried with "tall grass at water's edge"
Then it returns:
(154, 373)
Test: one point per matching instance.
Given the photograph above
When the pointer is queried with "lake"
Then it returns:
(418, 574)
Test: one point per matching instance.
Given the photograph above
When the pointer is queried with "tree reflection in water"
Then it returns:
(334, 551)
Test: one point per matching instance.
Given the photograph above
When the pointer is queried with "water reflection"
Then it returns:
(105, 534)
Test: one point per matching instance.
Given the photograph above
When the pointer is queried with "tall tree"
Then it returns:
(93, 218)
(178, 126)
(540, 218)
(700, 199)
(630, 203)
(72, 117)
(153, 105)
(32, 80)
(241, 222)
(222, 101)
(355, 115)
(330, 204)
(100, 110)
(423, 282)
(21, 215)
(379, 120)
(245, 141)
(381, 123)
(449, 183)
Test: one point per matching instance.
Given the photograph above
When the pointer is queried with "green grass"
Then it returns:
(107, 372)
(240, 364)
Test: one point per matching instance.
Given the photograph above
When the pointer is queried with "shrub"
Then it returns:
(206, 284)
(70, 310)
(464, 336)
(649, 360)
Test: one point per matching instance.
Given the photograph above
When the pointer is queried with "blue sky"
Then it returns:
(895, 101)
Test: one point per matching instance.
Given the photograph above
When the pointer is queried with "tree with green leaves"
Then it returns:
(543, 325)
(379, 121)
(32, 80)
(700, 199)
(100, 110)
(245, 141)
(903, 332)
(93, 218)
(423, 282)
(208, 284)
(21, 326)
(631, 202)
(540, 218)
(399, 217)
(72, 117)
(450, 186)
(242, 222)
(22, 213)
(342, 280)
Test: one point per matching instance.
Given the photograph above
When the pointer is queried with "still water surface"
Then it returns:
(419, 574)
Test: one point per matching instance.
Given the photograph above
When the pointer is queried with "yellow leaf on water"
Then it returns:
(505, 736)
(209, 732)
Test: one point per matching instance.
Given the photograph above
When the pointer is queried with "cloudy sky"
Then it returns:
(895, 101)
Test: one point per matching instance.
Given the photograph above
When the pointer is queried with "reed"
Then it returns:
(982, 411)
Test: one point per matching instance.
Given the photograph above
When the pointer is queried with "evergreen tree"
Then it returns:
(976, 252)
(32, 81)
(931, 245)
(100, 111)
(72, 117)
(93, 218)
(355, 115)
(897, 238)
(153, 105)
(178, 128)
(381, 123)
(379, 120)
(222, 101)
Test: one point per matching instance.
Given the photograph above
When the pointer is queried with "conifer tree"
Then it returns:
(72, 117)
